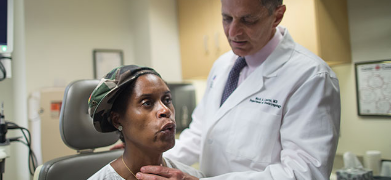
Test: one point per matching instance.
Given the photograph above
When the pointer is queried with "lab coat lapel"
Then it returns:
(251, 85)
(255, 82)
(218, 83)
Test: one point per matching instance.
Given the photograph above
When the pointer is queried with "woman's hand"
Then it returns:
(160, 173)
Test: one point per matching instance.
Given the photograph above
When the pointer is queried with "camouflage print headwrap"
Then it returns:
(104, 95)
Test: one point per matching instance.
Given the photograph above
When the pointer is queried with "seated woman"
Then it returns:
(136, 102)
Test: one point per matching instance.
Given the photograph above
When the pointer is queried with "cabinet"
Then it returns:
(201, 36)
(319, 25)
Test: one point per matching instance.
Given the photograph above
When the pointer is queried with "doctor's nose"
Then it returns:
(235, 29)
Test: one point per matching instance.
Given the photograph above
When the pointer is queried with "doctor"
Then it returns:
(282, 120)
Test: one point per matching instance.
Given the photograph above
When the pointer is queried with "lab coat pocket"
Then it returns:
(255, 134)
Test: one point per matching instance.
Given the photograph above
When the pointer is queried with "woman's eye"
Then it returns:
(168, 100)
(147, 103)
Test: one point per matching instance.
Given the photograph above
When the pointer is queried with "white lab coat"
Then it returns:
(281, 123)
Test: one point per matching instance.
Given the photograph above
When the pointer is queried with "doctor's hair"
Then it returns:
(271, 5)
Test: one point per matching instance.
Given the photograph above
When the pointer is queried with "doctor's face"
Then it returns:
(149, 121)
(248, 25)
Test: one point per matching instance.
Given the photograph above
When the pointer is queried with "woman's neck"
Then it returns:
(135, 159)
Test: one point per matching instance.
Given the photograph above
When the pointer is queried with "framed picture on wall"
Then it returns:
(373, 88)
(105, 60)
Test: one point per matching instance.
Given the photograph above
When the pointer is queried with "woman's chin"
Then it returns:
(165, 146)
(169, 145)
(164, 142)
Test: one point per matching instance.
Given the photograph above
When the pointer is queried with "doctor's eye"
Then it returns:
(249, 21)
(227, 19)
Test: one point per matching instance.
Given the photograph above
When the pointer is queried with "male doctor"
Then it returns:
(282, 120)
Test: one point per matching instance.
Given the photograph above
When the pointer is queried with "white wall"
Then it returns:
(61, 35)
(165, 39)
(142, 41)
(157, 40)
(370, 34)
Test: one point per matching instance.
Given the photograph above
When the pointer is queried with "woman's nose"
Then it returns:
(163, 111)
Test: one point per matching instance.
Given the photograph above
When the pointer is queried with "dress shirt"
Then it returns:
(255, 60)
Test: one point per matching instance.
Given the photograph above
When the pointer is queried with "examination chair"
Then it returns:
(78, 133)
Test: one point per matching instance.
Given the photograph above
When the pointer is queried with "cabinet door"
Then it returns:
(333, 29)
(220, 41)
(321, 26)
(300, 20)
(195, 39)
(202, 37)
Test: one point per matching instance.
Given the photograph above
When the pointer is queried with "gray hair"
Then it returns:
(271, 5)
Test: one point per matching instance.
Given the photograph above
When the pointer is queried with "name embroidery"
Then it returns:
(270, 102)
(211, 83)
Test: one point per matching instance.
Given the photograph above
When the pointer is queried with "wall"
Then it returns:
(370, 34)
(64, 33)
(142, 42)
(165, 39)
(157, 39)
(61, 35)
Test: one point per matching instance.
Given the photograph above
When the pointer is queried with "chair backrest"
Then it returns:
(78, 132)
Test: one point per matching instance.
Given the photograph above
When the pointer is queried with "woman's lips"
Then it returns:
(169, 127)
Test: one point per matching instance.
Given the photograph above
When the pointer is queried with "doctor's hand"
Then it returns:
(162, 173)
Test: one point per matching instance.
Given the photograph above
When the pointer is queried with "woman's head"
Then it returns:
(141, 106)
(149, 117)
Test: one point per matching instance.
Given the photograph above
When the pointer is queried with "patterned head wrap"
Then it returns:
(104, 95)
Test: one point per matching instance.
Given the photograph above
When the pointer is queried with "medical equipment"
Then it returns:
(5, 67)
(6, 37)
(4, 141)
(6, 26)
(184, 101)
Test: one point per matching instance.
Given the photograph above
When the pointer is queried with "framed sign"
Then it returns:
(373, 88)
(106, 60)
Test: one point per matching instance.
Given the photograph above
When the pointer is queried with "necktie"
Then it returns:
(233, 78)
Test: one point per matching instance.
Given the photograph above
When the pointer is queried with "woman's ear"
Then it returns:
(115, 117)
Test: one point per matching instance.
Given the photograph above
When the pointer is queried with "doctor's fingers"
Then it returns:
(162, 173)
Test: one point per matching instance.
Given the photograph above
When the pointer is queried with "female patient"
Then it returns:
(136, 102)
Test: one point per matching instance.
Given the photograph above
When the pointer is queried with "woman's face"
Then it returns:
(149, 121)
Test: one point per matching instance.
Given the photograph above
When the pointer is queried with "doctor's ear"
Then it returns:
(279, 14)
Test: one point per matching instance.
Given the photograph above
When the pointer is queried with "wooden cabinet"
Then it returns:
(201, 36)
(319, 25)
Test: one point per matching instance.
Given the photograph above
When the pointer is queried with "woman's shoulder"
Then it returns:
(184, 168)
(106, 173)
